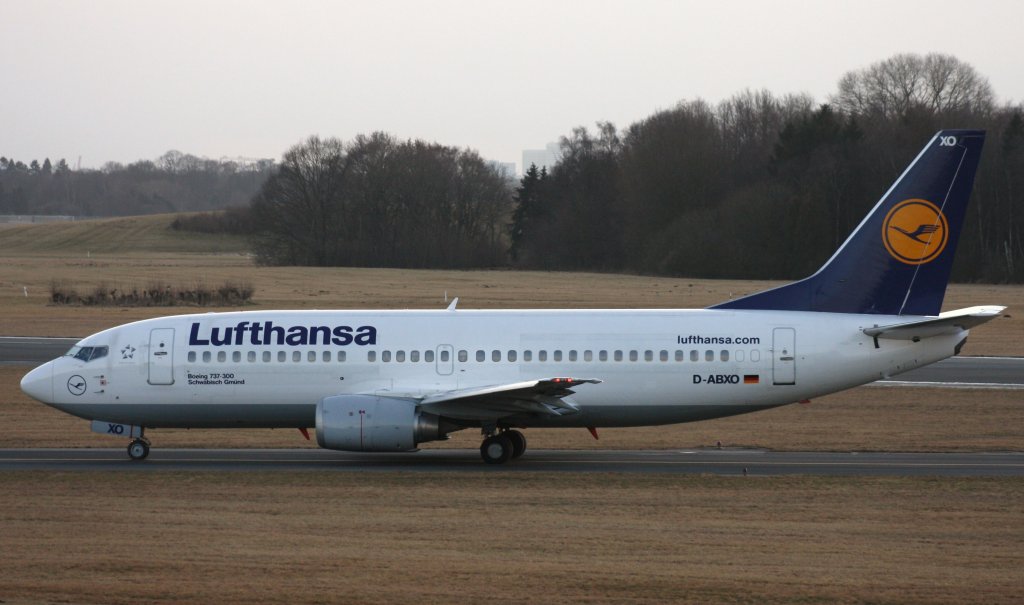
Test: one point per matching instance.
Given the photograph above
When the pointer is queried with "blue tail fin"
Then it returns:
(898, 260)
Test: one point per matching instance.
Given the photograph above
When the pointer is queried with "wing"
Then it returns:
(945, 323)
(540, 397)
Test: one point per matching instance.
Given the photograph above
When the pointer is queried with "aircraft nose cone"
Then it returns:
(38, 384)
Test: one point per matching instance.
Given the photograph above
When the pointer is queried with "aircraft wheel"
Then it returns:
(518, 443)
(496, 449)
(138, 449)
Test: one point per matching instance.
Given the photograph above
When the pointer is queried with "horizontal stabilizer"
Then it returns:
(946, 323)
(542, 397)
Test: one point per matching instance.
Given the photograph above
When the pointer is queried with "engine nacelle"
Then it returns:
(367, 423)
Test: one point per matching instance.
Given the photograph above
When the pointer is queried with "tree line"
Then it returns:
(756, 186)
(378, 201)
(761, 186)
(175, 182)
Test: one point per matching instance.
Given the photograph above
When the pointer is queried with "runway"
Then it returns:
(33, 349)
(965, 372)
(958, 372)
(727, 462)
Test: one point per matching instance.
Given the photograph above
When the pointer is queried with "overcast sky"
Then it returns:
(121, 81)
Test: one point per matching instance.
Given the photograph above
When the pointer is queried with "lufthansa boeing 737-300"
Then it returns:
(385, 381)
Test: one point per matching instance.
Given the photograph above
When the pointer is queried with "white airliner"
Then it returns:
(389, 380)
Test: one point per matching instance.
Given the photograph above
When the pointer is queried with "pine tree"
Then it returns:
(528, 200)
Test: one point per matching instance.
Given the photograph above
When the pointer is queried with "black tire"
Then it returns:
(138, 450)
(518, 443)
(496, 449)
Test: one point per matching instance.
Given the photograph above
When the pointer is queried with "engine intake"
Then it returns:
(368, 423)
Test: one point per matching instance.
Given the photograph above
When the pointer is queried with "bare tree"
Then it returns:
(296, 209)
(380, 202)
(895, 86)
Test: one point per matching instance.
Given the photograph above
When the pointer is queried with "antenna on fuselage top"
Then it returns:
(455, 301)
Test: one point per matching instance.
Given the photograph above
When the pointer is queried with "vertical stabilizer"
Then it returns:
(898, 260)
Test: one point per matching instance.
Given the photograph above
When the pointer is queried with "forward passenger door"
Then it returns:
(161, 356)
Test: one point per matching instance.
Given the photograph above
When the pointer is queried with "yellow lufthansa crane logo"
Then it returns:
(915, 232)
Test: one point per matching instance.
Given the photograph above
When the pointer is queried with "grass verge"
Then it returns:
(535, 538)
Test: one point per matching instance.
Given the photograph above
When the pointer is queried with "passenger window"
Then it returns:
(400, 356)
(428, 356)
(251, 356)
(371, 356)
(495, 355)
(385, 356)
(724, 356)
(191, 356)
(739, 355)
(633, 356)
(542, 355)
(663, 356)
(414, 356)
(602, 356)
(445, 356)
(206, 356)
(222, 356)
(480, 355)
(679, 355)
(311, 356)
(755, 356)
(527, 355)
(572, 355)
(511, 355)
(618, 355)
(266, 356)
(588, 356)
(282, 357)
(557, 355)
(648, 355)
(694, 356)
(463, 355)
(709, 355)
(341, 356)
(296, 356)
(236, 356)
(326, 356)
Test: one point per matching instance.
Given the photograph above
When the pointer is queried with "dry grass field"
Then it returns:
(465, 538)
(137, 251)
(527, 538)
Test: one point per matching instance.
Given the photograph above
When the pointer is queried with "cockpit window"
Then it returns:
(87, 353)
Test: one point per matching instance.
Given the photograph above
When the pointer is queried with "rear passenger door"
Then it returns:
(784, 356)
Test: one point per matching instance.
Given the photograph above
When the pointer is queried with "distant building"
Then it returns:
(543, 158)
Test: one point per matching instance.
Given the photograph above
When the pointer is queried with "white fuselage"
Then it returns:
(269, 369)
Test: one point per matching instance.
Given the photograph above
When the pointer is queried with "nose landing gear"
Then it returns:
(138, 449)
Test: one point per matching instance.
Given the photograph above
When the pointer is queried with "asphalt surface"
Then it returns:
(32, 349)
(714, 462)
(964, 372)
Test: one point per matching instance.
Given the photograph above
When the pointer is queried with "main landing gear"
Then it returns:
(499, 448)
(138, 449)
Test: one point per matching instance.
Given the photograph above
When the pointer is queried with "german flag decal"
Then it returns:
(751, 378)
